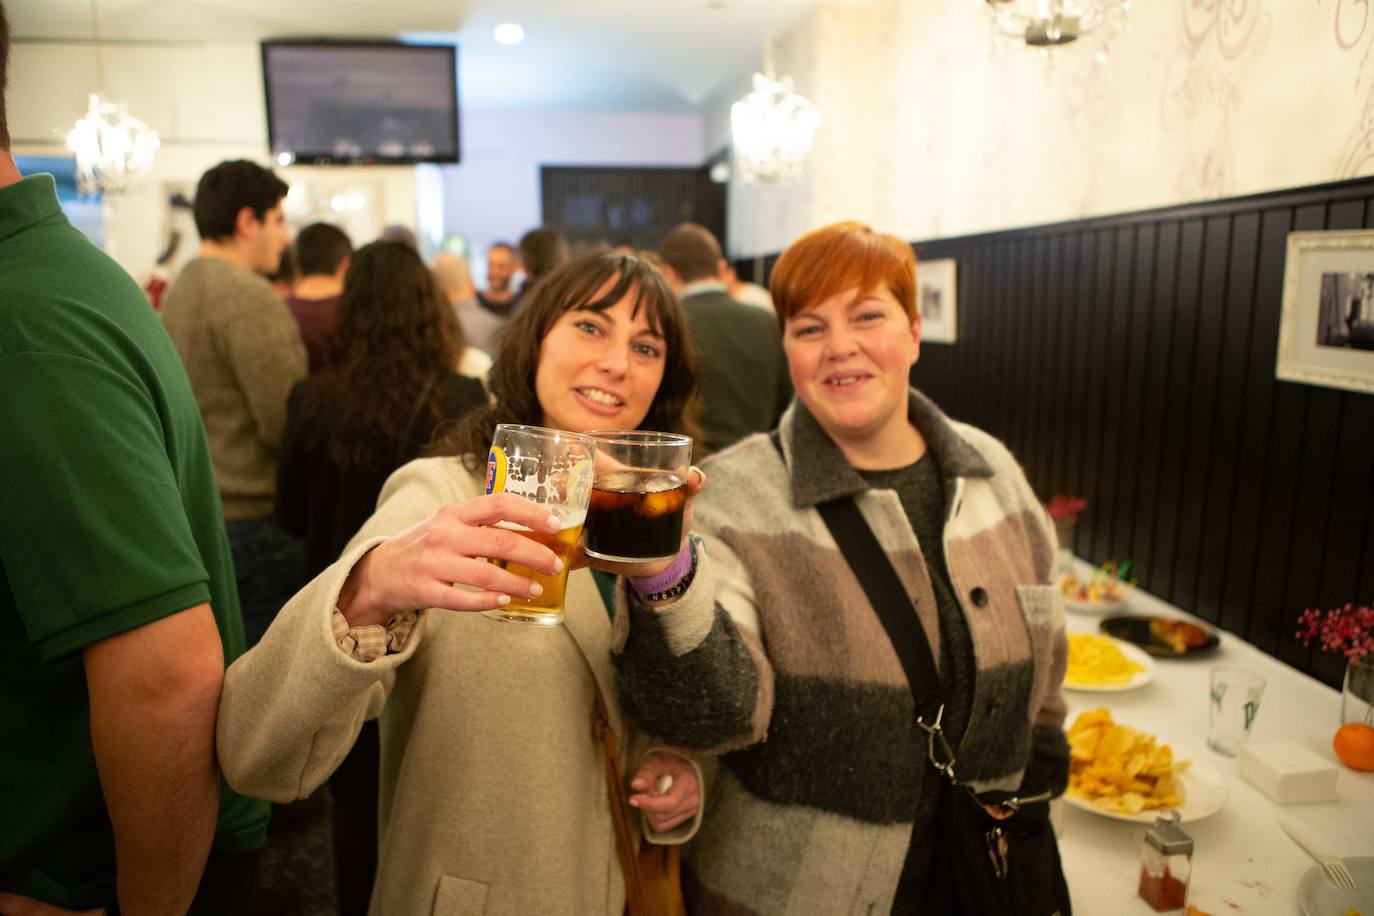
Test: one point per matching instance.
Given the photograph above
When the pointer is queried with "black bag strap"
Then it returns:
(872, 567)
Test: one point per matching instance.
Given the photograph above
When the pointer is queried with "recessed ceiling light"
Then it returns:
(509, 33)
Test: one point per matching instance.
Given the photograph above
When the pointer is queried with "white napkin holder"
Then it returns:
(1288, 773)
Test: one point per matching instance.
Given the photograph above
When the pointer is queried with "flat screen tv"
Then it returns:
(361, 102)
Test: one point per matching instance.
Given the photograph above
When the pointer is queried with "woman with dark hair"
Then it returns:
(387, 386)
(493, 795)
(870, 558)
(524, 389)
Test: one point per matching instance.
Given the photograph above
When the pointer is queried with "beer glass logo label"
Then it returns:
(580, 483)
(496, 470)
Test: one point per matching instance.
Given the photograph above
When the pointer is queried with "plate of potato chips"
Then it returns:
(1127, 774)
(1101, 664)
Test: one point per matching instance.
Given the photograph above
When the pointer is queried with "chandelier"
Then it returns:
(1046, 24)
(112, 147)
(772, 127)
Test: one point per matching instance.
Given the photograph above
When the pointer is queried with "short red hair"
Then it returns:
(838, 257)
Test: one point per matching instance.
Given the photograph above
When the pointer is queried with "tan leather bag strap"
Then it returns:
(620, 815)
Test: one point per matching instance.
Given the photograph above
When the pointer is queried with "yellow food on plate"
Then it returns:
(1121, 769)
(1097, 661)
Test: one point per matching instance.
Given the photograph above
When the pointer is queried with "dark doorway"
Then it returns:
(609, 205)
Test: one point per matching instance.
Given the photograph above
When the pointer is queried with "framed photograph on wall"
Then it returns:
(937, 300)
(1326, 333)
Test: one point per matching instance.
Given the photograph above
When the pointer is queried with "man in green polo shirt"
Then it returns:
(118, 611)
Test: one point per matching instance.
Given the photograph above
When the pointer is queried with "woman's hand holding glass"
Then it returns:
(696, 479)
(419, 567)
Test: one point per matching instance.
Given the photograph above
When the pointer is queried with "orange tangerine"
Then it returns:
(1354, 745)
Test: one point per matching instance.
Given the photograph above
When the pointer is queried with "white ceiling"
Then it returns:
(610, 55)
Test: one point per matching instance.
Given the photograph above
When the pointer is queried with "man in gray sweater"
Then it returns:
(744, 381)
(243, 353)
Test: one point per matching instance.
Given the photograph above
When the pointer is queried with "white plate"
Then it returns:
(1139, 679)
(1094, 608)
(1319, 897)
(1204, 793)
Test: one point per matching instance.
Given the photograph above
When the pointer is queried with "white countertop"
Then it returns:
(1243, 862)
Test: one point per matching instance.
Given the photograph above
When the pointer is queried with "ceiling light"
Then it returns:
(772, 127)
(112, 147)
(509, 33)
(1044, 24)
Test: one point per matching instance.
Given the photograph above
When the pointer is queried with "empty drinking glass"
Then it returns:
(1235, 703)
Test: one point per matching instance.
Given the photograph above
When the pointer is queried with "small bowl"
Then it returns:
(1111, 605)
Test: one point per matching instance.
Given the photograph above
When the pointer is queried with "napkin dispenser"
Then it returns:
(1287, 773)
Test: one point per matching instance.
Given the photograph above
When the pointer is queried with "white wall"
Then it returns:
(493, 194)
(929, 132)
(206, 101)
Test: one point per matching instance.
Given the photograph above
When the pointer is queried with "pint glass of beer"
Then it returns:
(554, 469)
(638, 496)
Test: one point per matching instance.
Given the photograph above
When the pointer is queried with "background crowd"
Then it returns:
(278, 471)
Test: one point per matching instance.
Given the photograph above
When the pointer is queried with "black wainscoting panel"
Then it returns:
(1130, 359)
(1135, 367)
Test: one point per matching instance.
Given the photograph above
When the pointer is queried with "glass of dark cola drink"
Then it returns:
(638, 496)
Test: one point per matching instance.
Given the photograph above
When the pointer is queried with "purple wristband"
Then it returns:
(652, 585)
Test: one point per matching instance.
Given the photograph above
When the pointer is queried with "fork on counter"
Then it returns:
(1336, 871)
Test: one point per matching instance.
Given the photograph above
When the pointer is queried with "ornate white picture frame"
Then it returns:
(1326, 332)
(937, 299)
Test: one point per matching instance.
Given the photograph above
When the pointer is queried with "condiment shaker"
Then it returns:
(1166, 864)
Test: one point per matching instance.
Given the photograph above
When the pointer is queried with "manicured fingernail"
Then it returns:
(634, 803)
(554, 523)
(557, 565)
(536, 590)
(665, 782)
(503, 599)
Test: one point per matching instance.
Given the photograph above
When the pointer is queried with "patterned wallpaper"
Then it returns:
(933, 129)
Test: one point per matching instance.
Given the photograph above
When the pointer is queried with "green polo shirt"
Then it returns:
(109, 520)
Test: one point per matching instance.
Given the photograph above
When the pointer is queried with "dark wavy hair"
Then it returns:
(395, 342)
(574, 286)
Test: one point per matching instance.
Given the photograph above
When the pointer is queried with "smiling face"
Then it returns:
(599, 370)
(850, 357)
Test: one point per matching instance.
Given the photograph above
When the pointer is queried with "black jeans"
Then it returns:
(267, 570)
(354, 787)
(229, 886)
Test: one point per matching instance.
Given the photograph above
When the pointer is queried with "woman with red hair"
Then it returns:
(795, 655)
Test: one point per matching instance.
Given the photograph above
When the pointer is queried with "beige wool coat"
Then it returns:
(493, 796)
